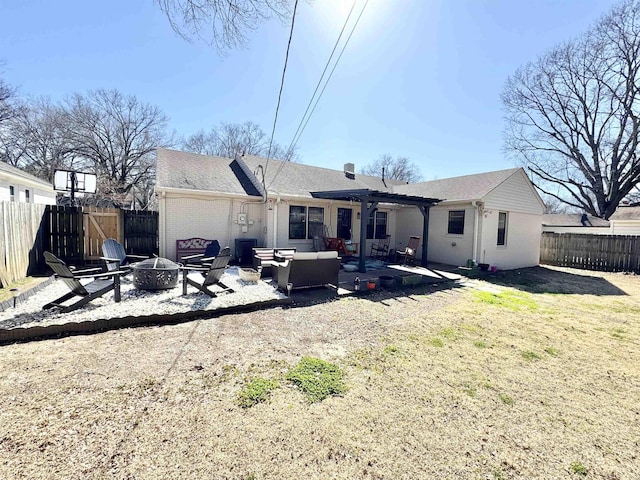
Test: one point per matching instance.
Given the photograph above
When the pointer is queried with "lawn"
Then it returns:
(533, 375)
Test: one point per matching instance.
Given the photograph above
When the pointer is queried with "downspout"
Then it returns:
(476, 223)
(275, 221)
(163, 222)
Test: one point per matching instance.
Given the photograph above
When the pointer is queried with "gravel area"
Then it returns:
(29, 312)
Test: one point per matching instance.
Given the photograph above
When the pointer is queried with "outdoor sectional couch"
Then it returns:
(309, 269)
(267, 258)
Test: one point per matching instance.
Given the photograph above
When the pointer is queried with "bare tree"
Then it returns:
(7, 94)
(223, 23)
(399, 168)
(116, 136)
(573, 116)
(35, 138)
(235, 139)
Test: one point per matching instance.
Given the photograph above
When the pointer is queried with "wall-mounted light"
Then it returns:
(358, 215)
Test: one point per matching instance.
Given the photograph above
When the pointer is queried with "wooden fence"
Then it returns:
(609, 253)
(74, 234)
(20, 240)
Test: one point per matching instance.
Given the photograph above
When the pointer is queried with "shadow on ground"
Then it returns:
(546, 280)
(317, 295)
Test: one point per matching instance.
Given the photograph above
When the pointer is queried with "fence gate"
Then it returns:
(99, 224)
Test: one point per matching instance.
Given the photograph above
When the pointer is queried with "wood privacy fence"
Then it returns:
(609, 253)
(74, 234)
(20, 240)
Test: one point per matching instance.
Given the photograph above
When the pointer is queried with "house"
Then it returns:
(625, 220)
(19, 186)
(493, 217)
(575, 223)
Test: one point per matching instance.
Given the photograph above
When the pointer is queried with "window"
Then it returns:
(377, 225)
(303, 224)
(12, 193)
(456, 222)
(27, 196)
(316, 222)
(502, 228)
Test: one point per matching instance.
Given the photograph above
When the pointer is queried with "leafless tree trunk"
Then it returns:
(572, 116)
(223, 23)
(399, 168)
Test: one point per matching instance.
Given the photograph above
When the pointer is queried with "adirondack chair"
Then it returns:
(116, 258)
(210, 275)
(103, 282)
(202, 259)
(380, 249)
(408, 254)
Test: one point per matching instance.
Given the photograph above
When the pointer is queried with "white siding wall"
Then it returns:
(630, 227)
(516, 194)
(37, 193)
(522, 247)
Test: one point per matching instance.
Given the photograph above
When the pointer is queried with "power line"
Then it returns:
(284, 71)
(335, 46)
(300, 131)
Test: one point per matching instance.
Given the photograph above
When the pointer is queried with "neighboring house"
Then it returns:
(575, 223)
(19, 186)
(493, 218)
(625, 220)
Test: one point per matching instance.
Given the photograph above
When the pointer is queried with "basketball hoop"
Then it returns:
(74, 182)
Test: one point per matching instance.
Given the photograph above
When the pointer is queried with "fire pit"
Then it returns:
(155, 274)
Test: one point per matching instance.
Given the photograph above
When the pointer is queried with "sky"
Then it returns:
(419, 78)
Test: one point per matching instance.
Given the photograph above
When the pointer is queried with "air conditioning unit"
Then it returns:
(242, 219)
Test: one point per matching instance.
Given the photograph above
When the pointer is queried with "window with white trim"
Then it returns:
(502, 228)
(456, 222)
(305, 222)
(377, 225)
(12, 193)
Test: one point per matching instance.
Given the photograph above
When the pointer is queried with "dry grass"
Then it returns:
(474, 383)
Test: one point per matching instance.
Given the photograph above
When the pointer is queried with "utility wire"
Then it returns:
(335, 46)
(284, 71)
(300, 131)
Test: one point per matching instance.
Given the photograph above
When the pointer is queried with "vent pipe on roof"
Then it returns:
(383, 174)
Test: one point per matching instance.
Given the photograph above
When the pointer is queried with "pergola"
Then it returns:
(369, 200)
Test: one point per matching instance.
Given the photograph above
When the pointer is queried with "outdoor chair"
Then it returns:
(210, 275)
(116, 258)
(202, 259)
(380, 249)
(103, 282)
(408, 254)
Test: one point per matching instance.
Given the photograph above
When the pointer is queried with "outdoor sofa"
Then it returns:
(309, 269)
(267, 258)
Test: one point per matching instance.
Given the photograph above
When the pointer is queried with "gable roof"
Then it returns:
(464, 188)
(572, 220)
(16, 172)
(191, 171)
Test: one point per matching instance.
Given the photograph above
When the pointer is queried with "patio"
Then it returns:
(27, 320)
